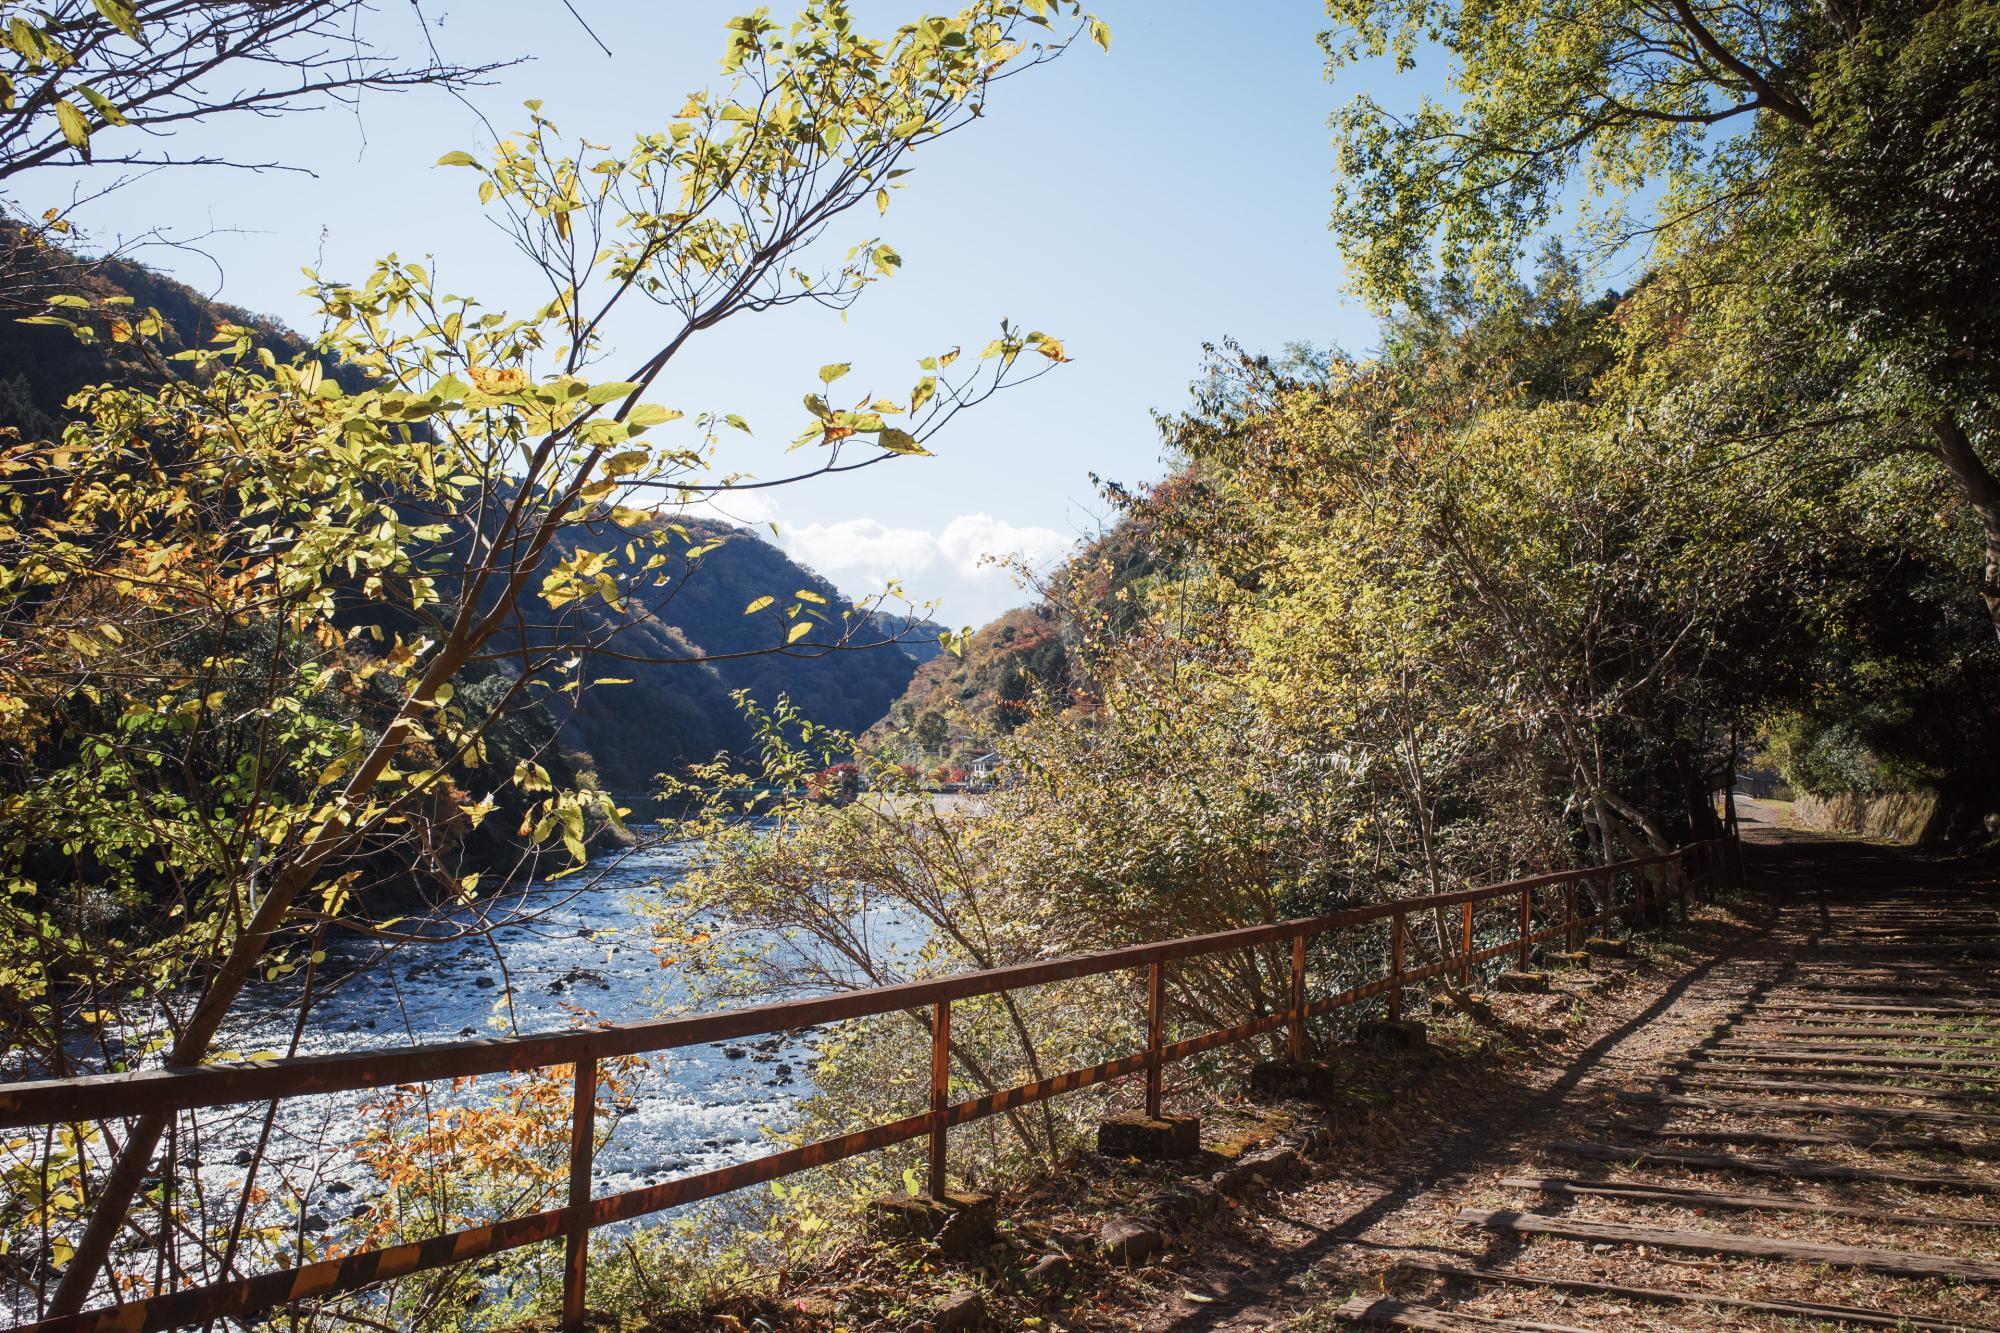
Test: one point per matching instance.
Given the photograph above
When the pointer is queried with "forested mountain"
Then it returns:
(672, 712)
(668, 713)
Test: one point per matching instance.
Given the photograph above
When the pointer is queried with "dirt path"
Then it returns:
(1808, 1113)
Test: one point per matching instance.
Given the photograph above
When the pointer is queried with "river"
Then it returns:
(695, 1109)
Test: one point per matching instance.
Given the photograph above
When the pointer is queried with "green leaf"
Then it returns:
(651, 414)
(457, 158)
(738, 422)
(600, 394)
(828, 374)
(1100, 32)
(887, 260)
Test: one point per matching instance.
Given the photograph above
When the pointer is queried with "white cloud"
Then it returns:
(963, 567)
(861, 550)
(971, 540)
(746, 509)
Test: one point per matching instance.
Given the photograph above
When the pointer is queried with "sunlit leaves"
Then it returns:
(651, 414)
(75, 127)
(1584, 106)
(499, 379)
(899, 441)
(122, 17)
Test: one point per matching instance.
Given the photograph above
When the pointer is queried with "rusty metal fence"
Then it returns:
(1659, 883)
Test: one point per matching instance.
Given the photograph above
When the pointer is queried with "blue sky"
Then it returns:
(1136, 204)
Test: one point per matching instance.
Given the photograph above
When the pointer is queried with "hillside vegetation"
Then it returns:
(677, 705)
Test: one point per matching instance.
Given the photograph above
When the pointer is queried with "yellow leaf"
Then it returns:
(496, 379)
(74, 127)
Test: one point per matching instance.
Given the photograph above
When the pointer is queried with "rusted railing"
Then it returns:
(111, 1096)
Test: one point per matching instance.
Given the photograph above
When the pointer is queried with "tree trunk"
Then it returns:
(129, 1168)
(1982, 492)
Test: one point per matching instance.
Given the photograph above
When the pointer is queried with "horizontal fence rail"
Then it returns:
(104, 1097)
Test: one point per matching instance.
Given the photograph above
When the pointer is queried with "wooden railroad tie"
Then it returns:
(1736, 1083)
(1747, 1062)
(1388, 1312)
(1790, 1168)
(1681, 1196)
(1729, 1245)
(1900, 1055)
(1846, 1314)
(1811, 1110)
(1867, 1035)
(1957, 1011)
(1801, 1138)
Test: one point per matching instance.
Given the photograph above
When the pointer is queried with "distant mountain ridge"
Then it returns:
(669, 714)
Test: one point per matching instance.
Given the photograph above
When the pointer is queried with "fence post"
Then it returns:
(1571, 942)
(1296, 1037)
(582, 1140)
(940, 1092)
(1465, 949)
(1527, 924)
(1396, 966)
(1156, 1033)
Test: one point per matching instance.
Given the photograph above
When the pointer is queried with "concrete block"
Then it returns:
(1396, 1034)
(956, 1223)
(1287, 1078)
(1166, 1139)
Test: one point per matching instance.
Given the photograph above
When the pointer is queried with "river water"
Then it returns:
(582, 959)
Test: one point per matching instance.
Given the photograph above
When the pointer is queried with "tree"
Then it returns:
(435, 512)
(73, 70)
(115, 83)
(1825, 174)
